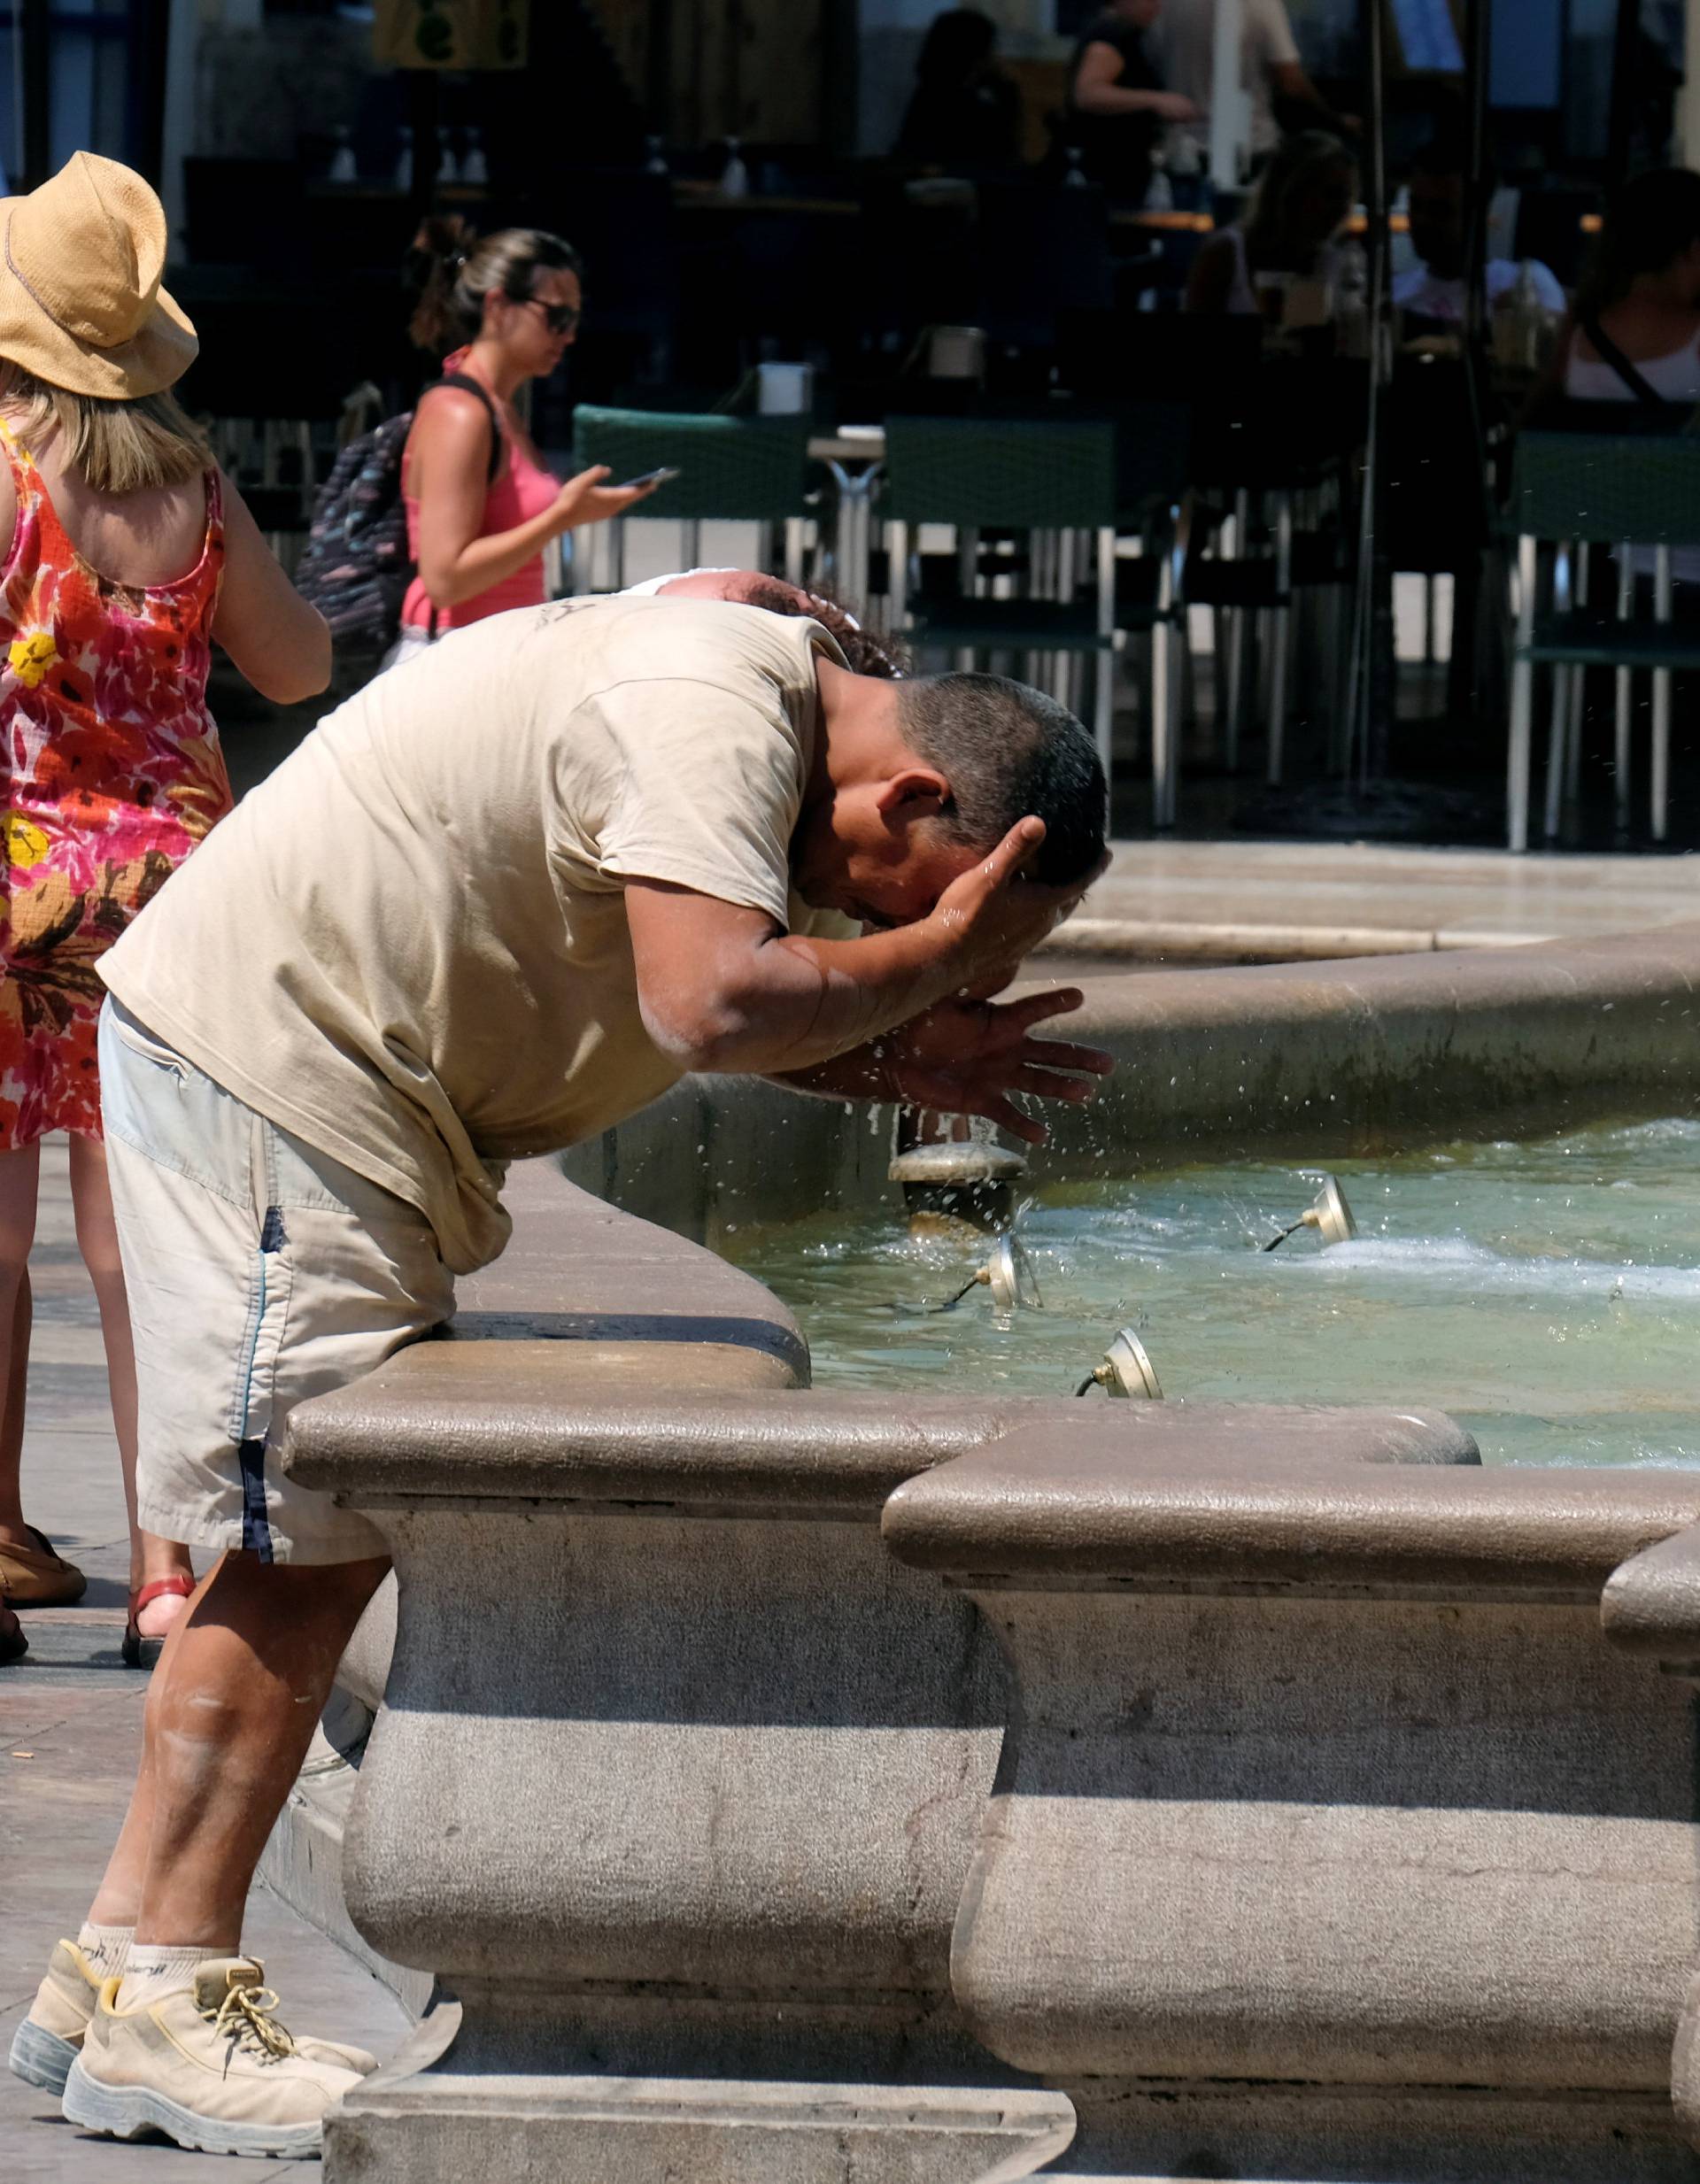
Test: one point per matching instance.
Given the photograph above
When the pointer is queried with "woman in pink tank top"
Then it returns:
(477, 529)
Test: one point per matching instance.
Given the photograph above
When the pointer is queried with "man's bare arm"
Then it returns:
(722, 988)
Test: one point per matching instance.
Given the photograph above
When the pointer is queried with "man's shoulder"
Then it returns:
(720, 642)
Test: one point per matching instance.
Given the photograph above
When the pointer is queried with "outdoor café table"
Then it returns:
(854, 455)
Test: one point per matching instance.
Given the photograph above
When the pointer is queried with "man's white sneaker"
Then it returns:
(46, 2043)
(209, 2065)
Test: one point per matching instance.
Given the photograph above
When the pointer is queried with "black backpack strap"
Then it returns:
(1608, 353)
(470, 386)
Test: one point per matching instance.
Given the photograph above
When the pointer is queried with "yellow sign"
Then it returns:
(451, 33)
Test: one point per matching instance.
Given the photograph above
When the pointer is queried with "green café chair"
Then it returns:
(1572, 493)
(731, 470)
(1058, 482)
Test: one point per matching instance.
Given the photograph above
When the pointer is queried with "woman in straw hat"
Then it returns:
(123, 555)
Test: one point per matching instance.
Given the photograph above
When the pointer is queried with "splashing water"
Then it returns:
(1546, 1293)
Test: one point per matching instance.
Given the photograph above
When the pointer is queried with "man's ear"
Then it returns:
(917, 792)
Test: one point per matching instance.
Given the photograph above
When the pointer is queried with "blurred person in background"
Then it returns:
(1434, 288)
(124, 557)
(1119, 103)
(481, 504)
(1634, 331)
(1272, 73)
(1302, 200)
(1633, 334)
(964, 113)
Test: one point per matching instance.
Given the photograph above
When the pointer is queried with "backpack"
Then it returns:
(355, 567)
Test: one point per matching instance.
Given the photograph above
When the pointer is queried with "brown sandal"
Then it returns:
(36, 1576)
(144, 1653)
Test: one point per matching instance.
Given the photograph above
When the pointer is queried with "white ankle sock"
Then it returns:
(154, 1972)
(106, 1948)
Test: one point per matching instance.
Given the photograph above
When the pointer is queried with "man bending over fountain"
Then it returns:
(501, 899)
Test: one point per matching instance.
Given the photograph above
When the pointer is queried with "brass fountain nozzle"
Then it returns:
(1328, 1213)
(1126, 1370)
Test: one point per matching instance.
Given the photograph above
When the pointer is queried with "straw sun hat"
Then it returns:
(80, 304)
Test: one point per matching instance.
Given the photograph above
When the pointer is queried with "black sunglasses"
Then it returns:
(558, 318)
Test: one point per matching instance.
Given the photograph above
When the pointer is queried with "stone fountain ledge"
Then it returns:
(1160, 940)
(1311, 1062)
(798, 1788)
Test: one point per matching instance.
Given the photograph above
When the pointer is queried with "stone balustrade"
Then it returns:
(1330, 1839)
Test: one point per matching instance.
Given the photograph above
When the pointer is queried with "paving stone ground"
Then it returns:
(70, 1725)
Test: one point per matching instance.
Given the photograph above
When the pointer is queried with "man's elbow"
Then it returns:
(706, 1034)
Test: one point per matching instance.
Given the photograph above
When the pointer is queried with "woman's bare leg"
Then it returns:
(91, 1199)
(18, 1174)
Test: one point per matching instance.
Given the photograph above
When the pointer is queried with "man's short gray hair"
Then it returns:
(1007, 750)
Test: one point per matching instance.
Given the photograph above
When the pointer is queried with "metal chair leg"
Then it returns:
(1578, 694)
(1516, 765)
(1561, 678)
(1556, 742)
(1661, 760)
(1103, 718)
(1625, 693)
(1165, 672)
(897, 578)
(968, 582)
(1279, 636)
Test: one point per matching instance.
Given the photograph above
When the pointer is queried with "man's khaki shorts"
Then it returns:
(259, 1271)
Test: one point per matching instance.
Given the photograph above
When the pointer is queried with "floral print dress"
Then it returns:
(110, 774)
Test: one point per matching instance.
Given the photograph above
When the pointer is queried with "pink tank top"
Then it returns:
(523, 489)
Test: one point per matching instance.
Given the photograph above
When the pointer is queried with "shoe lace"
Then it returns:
(246, 2017)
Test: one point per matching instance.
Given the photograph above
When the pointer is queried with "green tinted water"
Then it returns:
(1545, 1294)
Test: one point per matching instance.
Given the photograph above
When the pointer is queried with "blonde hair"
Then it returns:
(114, 447)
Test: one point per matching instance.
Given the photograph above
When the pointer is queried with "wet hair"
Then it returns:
(453, 271)
(864, 652)
(1296, 161)
(958, 43)
(1007, 750)
(1651, 221)
(115, 447)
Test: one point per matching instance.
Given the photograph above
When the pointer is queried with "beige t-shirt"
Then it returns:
(409, 945)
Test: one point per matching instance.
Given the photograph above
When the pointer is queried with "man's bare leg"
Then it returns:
(234, 1703)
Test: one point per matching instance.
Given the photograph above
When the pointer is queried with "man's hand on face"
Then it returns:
(993, 916)
(970, 1057)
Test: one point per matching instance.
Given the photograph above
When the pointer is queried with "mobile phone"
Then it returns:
(664, 476)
